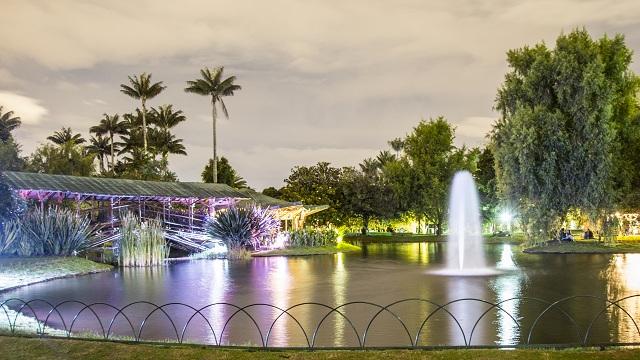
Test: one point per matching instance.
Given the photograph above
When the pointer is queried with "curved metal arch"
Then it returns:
(7, 315)
(286, 311)
(197, 311)
(441, 307)
(335, 309)
(611, 303)
(90, 307)
(19, 312)
(238, 310)
(161, 308)
(556, 303)
(497, 305)
(121, 312)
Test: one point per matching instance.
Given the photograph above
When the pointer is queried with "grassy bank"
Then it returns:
(315, 250)
(16, 272)
(412, 238)
(585, 247)
(30, 348)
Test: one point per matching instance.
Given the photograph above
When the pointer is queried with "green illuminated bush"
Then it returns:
(311, 237)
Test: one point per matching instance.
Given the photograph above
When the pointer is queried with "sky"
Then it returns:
(321, 80)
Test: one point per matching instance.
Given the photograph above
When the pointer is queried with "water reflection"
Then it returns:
(382, 274)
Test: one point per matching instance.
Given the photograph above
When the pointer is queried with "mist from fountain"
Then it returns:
(465, 252)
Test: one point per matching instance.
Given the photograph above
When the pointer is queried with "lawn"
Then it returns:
(303, 251)
(32, 348)
(585, 247)
(15, 272)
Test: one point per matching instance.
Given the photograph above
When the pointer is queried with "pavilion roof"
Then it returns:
(107, 188)
(265, 200)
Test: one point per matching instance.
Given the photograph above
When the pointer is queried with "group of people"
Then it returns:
(567, 236)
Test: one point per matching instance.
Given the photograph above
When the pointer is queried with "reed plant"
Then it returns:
(141, 243)
(9, 237)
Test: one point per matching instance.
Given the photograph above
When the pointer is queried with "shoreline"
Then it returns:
(309, 250)
(584, 247)
(35, 270)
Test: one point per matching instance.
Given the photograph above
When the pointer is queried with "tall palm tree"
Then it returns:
(165, 117)
(65, 136)
(397, 145)
(212, 84)
(8, 123)
(370, 167)
(110, 125)
(101, 147)
(141, 88)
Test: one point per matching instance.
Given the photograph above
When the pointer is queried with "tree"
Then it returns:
(8, 123)
(165, 118)
(10, 158)
(141, 88)
(485, 177)
(226, 174)
(316, 185)
(421, 179)
(212, 84)
(111, 126)
(365, 196)
(397, 145)
(554, 141)
(273, 192)
(67, 159)
(66, 136)
(100, 147)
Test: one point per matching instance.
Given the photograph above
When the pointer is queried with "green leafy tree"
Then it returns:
(212, 84)
(365, 196)
(10, 158)
(421, 178)
(67, 159)
(141, 88)
(317, 185)
(226, 174)
(273, 192)
(485, 176)
(554, 142)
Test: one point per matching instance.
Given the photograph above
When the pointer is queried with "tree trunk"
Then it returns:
(113, 161)
(214, 165)
(144, 124)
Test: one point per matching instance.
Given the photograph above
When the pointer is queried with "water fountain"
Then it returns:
(465, 253)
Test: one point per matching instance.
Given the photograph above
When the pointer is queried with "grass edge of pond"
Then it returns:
(584, 247)
(22, 271)
(309, 250)
(22, 347)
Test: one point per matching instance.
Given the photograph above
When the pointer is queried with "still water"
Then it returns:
(380, 274)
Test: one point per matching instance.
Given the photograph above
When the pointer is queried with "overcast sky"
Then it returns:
(322, 80)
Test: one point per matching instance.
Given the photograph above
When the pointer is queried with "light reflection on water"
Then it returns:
(382, 274)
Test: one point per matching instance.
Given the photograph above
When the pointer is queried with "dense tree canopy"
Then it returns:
(226, 174)
(555, 142)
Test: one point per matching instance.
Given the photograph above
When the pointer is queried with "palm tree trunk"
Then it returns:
(113, 161)
(144, 124)
(214, 167)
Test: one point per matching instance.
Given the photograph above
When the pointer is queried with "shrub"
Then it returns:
(241, 228)
(312, 237)
(141, 243)
(54, 231)
(9, 233)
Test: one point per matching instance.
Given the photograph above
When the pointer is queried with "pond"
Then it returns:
(380, 274)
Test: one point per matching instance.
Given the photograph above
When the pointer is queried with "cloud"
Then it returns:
(474, 129)
(28, 109)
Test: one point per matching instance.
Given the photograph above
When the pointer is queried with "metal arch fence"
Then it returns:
(57, 320)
